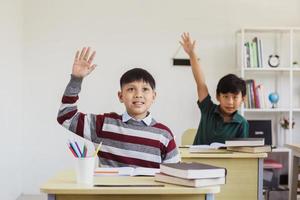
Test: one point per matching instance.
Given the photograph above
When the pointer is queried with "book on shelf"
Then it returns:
(125, 171)
(235, 142)
(203, 182)
(253, 57)
(192, 170)
(254, 149)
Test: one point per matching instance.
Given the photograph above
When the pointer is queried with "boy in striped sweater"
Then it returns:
(132, 139)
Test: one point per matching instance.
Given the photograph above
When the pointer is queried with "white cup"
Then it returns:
(85, 170)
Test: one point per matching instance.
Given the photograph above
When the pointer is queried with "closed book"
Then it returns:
(192, 170)
(160, 177)
(236, 142)
(257, 149)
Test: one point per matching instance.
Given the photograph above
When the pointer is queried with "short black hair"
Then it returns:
(137, 74)
(231, 83)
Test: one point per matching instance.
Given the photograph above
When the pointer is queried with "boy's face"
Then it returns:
(137, 97)
(230, 102)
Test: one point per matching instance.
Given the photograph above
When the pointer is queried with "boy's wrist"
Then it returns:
(193, 55)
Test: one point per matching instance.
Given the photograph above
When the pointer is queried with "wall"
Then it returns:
(10, 98)
(126, 34)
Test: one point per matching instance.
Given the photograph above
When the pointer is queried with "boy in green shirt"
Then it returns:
(218, 122)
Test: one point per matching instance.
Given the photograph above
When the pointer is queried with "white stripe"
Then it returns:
(87, 127)
(66, 105)
(115, 129)
(67, 123)
(131, 154)
(174, 159)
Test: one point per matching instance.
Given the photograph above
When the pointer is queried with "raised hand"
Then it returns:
(83, 63)
(187, 43)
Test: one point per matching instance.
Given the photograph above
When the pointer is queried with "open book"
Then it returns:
(203, 148)
(125, 171)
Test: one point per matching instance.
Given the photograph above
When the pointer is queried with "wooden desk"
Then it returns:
(64, 187)
(294, 175)
(244, 180)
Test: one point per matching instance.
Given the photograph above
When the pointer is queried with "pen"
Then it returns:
(71, 149)
(135, 185)
(98, 148)
(84, 150)
(74, 149)
(81, 155)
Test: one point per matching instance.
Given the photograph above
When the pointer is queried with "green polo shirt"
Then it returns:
(212, 127)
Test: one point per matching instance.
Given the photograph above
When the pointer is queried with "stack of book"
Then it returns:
(249, 145)
(191, 174)
(255, 95)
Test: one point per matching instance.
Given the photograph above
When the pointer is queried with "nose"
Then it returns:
(230, 100)
(138, 94)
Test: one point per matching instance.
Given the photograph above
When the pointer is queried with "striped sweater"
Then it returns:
(130, 143)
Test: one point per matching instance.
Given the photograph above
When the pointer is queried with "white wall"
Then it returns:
(132, 33)
(10, 98)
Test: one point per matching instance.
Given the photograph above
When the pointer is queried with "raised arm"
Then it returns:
(189, 48)
(68, 115)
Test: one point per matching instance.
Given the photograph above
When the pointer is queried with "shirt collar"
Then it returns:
(147, 120)
(235, 117)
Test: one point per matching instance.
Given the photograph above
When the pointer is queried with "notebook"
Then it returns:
(261, 129)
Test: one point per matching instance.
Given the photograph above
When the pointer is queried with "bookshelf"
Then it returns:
(254, 46)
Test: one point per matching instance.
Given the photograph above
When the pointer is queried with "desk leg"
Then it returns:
(260, 179)
(209, 197)
(294, 184)
(51, 196)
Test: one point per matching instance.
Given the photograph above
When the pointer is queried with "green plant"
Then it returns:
(284, 123)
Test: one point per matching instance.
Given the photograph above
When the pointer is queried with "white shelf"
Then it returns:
(266, 110)
(281, 149)
(268, 69)
(267, 29)
(282, 41)
(287, 69)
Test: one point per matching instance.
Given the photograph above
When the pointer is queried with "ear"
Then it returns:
(120, 96)
(244, 99)
(154, 95)
(218, 97)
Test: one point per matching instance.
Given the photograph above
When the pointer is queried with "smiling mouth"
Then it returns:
(138, 103)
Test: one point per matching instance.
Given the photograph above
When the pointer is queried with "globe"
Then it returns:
(273, 98)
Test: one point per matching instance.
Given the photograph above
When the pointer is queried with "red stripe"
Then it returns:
(80, 125)
(171, 146)
(69, 99)
(131, 139)
(66, 116)
(163, 127)
(129, 161)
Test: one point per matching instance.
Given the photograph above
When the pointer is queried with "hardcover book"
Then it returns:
(192, 170)
(236, 142)
(160, 177)
(257, 149)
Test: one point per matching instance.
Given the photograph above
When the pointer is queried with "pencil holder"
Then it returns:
(85, 167)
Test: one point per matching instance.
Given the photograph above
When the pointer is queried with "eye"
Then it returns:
(130, 89)
(145, 89)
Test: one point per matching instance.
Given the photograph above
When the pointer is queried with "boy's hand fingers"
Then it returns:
(82, 53)
(76, 56)
(90, 60)
(86, 55)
